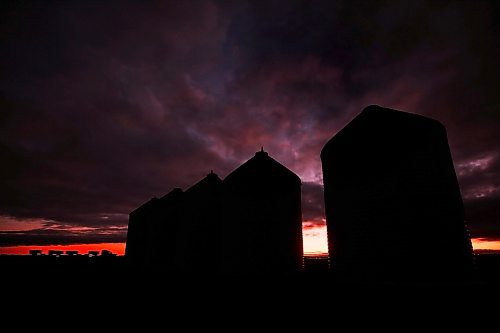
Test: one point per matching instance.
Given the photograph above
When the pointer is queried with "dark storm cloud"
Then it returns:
(480, 181)
(98, 103)
(61, 237)
(313, 208)
(106, 104)
(482, 217)
(48, 232)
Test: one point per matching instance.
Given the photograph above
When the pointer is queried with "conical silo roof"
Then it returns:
(262, 166)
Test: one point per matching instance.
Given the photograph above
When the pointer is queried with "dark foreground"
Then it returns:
(106, 270)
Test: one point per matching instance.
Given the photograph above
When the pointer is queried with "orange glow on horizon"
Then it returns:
(484, 244)
(116, 248)
(314, 237)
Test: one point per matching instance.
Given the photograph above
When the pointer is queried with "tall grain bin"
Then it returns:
(198, 238)
(163, 230)
(152, 231)
(139, 232)
(393, 205)
(262, 218)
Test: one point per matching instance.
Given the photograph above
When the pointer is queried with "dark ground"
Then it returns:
(105, 287)
(102, 269)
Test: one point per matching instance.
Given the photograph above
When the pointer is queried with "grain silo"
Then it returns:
(163, 231)
(198, 231)
(393, 205)
(139, 232)
(262, 218)
(152, 232)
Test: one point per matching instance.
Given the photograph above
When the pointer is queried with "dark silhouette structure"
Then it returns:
(262, 218)
(138, 233)
(198, 234)
(249, 223)
(164, 229)
(393, 205)
(152, 231)
(35, 252)
(55, 253)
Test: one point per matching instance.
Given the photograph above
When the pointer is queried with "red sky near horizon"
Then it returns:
(315, 243)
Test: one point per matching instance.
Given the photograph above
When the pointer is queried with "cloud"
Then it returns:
(483, 217)
(313, 208)
(53, 233)
(104, 106)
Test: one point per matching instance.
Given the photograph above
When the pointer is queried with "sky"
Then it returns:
(105, 104)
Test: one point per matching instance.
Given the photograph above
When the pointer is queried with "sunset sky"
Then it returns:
(105, 104)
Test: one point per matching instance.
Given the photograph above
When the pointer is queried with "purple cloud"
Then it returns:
(106, 105)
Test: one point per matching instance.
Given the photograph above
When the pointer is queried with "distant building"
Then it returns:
(55, 253)
(198, 231)
(71, 253)
(36, 252)
(393, 205)
(262, 230)
(107, 253)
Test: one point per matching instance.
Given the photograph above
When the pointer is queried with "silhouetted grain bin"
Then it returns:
(393, 205)
(151, 236)
(138, 233)
(262, 218)
(163, 230)
(198, 241)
